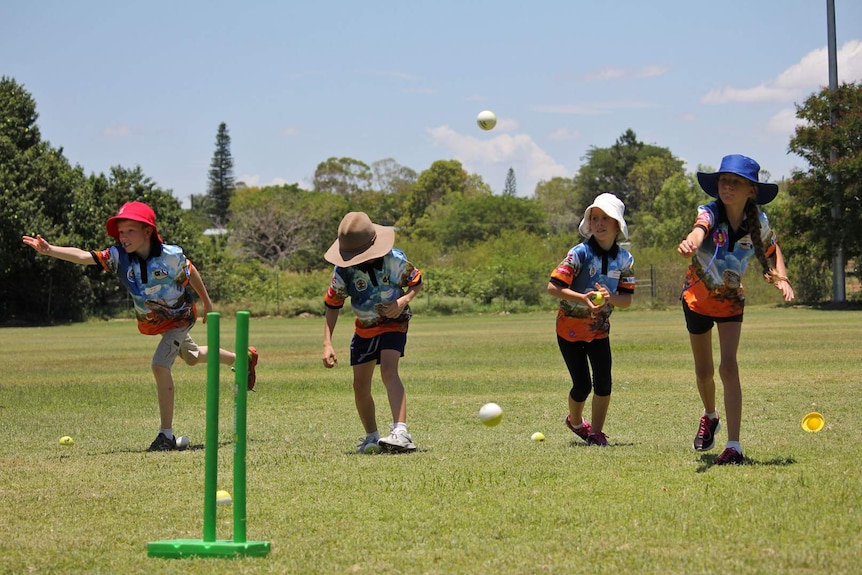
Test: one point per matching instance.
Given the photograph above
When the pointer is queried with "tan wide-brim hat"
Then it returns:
(359, 240)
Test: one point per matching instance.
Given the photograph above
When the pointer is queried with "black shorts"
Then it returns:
(698, 323)
(364, 349)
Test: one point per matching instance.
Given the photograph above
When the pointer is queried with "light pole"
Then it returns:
(838, 293)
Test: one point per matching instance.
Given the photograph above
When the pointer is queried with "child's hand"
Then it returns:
(786, 290)
(390, 309)
(329, 359)
(38, 243)
(687, 247)
(208, 307)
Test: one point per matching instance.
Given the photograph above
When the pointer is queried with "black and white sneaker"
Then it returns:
(162, 443)
(398, 441)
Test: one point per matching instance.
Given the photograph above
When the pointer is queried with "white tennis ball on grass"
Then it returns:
(182, 442)
(491, 414)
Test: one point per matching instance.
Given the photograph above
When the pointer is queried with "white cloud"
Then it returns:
(784, 122)
(562, 134)
(612, 73)
(592, 108)
(808, 75)
(492, 158)
(253, 181)
(119, 131)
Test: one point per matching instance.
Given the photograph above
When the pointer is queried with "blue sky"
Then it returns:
(147, 83)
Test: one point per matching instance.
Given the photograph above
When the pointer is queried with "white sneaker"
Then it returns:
(397, 441)
(368, 446)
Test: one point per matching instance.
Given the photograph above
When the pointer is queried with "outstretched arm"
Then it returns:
(69, 254)
(692, 241)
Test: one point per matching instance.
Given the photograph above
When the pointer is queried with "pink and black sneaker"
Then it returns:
(583, 432)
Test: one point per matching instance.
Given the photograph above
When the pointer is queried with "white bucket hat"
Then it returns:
(612, 206)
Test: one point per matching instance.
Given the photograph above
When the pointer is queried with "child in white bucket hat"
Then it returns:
(595, 277)
(380, 283)
(726, 234)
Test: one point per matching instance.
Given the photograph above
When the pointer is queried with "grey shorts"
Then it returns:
(176, 342)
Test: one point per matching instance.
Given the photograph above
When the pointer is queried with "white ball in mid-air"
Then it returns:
(486, 119)
(490, 414)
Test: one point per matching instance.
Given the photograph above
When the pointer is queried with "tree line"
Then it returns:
(478, 248)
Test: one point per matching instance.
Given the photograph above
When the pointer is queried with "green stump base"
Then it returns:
(179, 548)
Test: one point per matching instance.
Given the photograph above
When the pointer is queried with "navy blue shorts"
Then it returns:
(697, 323)
(363, 349)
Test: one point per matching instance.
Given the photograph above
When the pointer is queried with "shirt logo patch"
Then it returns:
(160, 274)
(361, 285)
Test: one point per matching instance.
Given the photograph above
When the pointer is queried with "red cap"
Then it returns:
(135, 211)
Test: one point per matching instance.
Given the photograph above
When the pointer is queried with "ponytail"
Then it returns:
(752, 213)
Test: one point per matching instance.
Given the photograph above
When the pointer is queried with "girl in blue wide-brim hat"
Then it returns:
(726, 234)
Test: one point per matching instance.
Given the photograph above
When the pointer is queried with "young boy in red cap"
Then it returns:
(156, 275)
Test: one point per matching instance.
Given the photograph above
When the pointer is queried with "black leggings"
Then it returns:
(576, 354)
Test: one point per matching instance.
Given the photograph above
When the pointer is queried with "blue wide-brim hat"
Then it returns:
(741, 166)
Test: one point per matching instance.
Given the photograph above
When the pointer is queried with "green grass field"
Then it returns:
(471, 499)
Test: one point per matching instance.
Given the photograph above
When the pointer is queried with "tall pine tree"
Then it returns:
(221, 182)
(511, 186)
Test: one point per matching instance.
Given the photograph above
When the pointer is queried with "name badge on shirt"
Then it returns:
(614, 274)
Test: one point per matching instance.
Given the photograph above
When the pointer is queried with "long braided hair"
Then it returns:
(752, 213)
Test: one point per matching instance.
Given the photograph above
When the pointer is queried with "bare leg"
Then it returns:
(225, 357)
(728, 338)
(165, 391)
(600, 411)
(394, 387)
(362, 375)
(704, 368)
(576, 411)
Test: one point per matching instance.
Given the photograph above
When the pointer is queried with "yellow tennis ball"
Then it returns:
(66, 440)
(223, 497)
(538, 436)
(599, 299)
(491, 414)
(486, 119)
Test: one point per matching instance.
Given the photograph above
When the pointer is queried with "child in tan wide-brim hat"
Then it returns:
(380, 282)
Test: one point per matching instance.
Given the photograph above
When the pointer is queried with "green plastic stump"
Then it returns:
(209, 546)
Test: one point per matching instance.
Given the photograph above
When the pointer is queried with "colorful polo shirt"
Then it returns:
(713, 284)
(585, 265)
(370, 284)
(157, 286)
